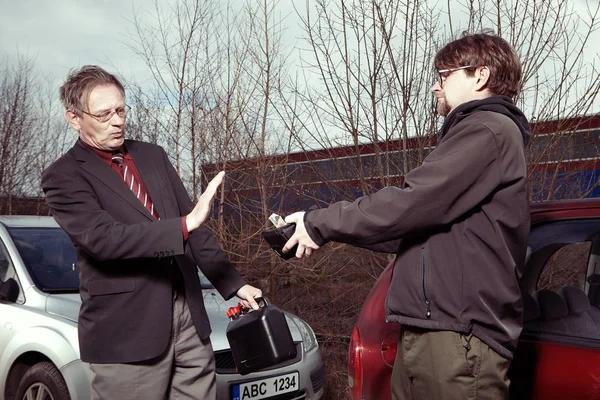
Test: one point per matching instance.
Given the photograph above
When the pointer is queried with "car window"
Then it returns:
(49, 257)
(7, 270)
(560, 286)
(4, 264)
(567, 266)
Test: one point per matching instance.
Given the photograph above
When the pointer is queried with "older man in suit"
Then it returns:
(139, 239)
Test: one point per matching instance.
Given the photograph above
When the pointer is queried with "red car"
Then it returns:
(558, 356)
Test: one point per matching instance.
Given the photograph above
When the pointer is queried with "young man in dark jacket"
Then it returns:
(458, 226)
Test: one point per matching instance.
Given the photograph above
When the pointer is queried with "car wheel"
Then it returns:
(43, 381)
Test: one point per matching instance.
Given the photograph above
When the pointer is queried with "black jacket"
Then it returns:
(459, 226)
(126, 258)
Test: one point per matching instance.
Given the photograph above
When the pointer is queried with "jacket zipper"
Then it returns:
(427, 302)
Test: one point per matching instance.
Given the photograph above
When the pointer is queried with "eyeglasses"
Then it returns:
(107, 115)
(445, 73)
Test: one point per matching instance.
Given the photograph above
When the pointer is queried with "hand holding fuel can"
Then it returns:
(259, 338)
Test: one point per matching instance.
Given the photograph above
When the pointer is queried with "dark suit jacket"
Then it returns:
(126, 257)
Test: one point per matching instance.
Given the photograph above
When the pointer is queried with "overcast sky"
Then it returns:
(63, 34)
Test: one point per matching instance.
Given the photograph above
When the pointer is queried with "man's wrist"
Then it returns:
(189, 223)
(312, 233)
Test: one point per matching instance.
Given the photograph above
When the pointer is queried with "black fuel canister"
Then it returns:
(259, 338)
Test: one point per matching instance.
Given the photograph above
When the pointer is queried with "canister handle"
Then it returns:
(237, 311)
(262, 302)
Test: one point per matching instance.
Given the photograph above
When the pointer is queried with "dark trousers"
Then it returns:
(432, 365)
(185, 371)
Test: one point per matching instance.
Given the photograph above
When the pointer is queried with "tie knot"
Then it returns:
(117, 158)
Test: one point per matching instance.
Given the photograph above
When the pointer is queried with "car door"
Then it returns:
(558, 356)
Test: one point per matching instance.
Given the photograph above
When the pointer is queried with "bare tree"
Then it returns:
(33, 133)
(552, 39)
(146, 119)
(373, 61)
(172, 45)
(52, 137)
(17, 123)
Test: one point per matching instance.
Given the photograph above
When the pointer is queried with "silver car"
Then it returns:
(39, 307)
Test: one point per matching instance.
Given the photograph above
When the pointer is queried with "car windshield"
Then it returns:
(49, 257)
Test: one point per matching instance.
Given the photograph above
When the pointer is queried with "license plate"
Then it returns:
(265, 388)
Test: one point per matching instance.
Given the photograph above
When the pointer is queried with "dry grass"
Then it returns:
(334, 353)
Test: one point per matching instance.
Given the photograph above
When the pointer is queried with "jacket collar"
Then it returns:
(97, 167)
(499, 104)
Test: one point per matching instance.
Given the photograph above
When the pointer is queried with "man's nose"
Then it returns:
(436, 87)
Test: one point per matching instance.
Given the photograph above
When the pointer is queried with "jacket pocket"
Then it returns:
(99, 287)
(424, 283)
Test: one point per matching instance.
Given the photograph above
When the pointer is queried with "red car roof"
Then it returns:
(566, 209)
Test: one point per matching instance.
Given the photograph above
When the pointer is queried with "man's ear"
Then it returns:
(483, 76)
(73, 119)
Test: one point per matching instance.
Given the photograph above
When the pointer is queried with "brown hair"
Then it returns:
(484, 49)
(75, 91)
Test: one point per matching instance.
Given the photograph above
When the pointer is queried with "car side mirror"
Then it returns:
(9, 290)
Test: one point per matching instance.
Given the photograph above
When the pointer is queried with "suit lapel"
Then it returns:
(97, 167)
(146, 166)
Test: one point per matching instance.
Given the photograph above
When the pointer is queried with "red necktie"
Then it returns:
(134, 185)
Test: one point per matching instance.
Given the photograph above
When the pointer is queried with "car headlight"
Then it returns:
(308, 335)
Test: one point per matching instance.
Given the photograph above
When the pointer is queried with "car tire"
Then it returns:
(43, 381)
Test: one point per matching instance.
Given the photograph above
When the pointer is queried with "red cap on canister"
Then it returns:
(233, 311)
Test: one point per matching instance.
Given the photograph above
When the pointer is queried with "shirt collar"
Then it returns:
(106, 155)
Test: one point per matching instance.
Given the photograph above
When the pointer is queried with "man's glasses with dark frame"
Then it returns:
(445, 73)
(107, 115)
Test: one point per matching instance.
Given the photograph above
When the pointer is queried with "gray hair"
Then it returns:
(74, 93)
